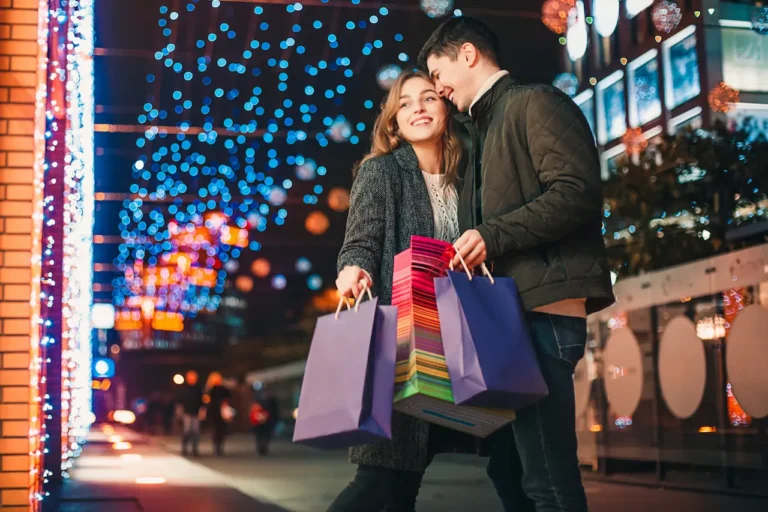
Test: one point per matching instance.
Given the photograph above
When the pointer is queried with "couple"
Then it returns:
(526, 196)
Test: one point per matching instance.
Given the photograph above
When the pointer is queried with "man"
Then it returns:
(190, 401)
(530, 204)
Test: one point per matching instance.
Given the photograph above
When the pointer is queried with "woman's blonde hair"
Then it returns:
(386, 136)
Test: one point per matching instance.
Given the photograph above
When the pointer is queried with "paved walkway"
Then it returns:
(298, 479)
(147, 478)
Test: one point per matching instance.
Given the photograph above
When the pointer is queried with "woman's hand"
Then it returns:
(352, 281)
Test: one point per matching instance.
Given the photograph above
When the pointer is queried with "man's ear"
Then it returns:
(469, 54)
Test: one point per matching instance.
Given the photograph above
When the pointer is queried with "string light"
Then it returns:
(666, 16)
(62, 241)
(236, 136)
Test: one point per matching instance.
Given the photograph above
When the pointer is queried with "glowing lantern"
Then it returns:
(317, 223)
(666, 16)
(261, 268)
(338, 199)
(244, 284)
(554, 14)
(634, 140)
(722, 97)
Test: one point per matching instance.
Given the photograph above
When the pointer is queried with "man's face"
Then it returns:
(453, 79)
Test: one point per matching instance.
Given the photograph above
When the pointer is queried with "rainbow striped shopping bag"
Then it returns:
(422, 381)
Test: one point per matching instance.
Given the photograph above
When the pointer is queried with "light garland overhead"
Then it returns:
(235, 131)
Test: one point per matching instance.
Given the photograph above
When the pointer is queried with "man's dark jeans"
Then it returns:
(533, 463)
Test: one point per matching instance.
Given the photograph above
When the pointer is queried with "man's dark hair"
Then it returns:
(448, 38)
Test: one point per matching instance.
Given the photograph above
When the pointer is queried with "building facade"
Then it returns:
(651, 65)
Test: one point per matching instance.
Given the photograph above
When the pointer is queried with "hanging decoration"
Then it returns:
(237, 135)
(760, 19)
(555, 13)
(436, 8)
(606, 15)
(722, 97)
(666, 16)
(577, 35)
(387, 75)
(568, 83)
(634, 140)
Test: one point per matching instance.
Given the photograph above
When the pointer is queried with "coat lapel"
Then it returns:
(414, 185)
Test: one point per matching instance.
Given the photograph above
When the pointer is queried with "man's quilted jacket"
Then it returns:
(532, 188)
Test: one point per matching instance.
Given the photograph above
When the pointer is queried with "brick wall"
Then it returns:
(18, 78)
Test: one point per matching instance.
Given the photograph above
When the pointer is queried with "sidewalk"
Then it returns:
(146, 478)
(298, 479)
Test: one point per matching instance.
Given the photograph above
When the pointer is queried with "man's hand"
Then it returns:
(352, 281)
(471, 247)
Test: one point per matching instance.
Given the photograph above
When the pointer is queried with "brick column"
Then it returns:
(18, 201)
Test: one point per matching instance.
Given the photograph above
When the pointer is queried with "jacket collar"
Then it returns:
(484, 105)
(406, 157)
(487, 86)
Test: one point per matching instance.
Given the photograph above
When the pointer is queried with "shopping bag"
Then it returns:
(346, 396)
(487, 344)
(422, 380)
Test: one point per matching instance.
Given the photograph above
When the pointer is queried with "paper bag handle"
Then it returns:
(469, 273)
(342, 300)
(345, 300)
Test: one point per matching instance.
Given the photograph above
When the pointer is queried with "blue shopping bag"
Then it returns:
(488, 350)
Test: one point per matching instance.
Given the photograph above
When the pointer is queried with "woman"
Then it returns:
(403, 187)
(217, 397)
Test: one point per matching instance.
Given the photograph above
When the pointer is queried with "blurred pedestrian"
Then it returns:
(190, 400)
(264, 418)
(169, 412)
(218, 413)
(155, 413)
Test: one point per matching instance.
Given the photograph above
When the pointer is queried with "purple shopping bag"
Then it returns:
(349, 381)
(488, 349)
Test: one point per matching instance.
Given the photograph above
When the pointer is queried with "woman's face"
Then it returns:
(421, 114)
